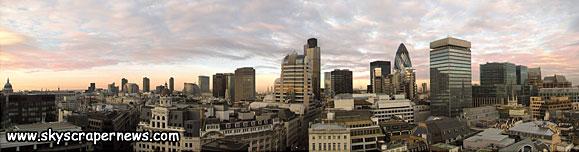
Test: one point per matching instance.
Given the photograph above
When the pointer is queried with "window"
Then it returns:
(313, 146)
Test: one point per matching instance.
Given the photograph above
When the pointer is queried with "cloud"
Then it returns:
(70, 35)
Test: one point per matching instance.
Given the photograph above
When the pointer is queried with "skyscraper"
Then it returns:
(342, 81)
(219, 85)
(146, 84)
(327, 83)
(295, 82)
(124, 85)
(229, 86)
(91, 88)
(171, 84)
(498, 84)
(450, 76)
(404, 79)
(112, 89)
(244, 84)
(424, 88)
(402, 59)
(204, 83)
(535, 80)
(312, 53)
(384, 67)
(522, 75)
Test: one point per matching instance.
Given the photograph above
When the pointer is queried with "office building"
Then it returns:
(402, 59)
(341, 81)
(556, 81)
(295, 82)
(535, 80)
(244, 84)
(191, 89)
(397, 107)
(146, 84)
(4, 118)
(172, 84)
(124, 85)
(404, 79)
(7, 87)
(312, 53)
(219, 85)
(424, 89)
(540, 107)
(91, 88)
(329, 137)
(166, 117)
(572, 93)
(229, 86)
(113, 121)
(204, 83)
(382, 84)
(480, 115)
(112, 89)
(522, 75)
(328, 84)
(498, 83)
(365, 133)
(450, 76)
(384, 68)
(31, 108)
(132, 88)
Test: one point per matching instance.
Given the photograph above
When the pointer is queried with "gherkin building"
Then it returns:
(402, 59)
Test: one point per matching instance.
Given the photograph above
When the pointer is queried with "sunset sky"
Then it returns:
(70, 43)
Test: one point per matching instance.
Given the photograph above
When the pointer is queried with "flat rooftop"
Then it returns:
(449, 41)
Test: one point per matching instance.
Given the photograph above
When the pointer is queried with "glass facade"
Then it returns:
(450, 77)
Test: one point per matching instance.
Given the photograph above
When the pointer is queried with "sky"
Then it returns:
(68, 44)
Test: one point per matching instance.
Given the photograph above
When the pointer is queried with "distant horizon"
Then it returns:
(51, 44)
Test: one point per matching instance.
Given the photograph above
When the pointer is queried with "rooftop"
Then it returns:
(534, 127)
(449, 41)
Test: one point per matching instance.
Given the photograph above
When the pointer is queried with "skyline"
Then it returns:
(73, 44)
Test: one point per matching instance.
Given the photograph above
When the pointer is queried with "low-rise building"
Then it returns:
(490, 138)
(483, 114)
(329, 137)
(541, 106)
(365, 133)
(442, 130)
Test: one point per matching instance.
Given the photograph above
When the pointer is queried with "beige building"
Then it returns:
(541, 106)
(295, 82)
(329, 137)
(244, 84)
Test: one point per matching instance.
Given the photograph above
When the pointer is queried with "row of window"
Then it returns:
(329, 146)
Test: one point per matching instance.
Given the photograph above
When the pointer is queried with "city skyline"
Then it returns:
(76, 45)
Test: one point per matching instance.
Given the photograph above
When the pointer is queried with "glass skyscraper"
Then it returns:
(450, 76)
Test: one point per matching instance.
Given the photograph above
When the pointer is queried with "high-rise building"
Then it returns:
(328, 83)
(556, 81)
(171, 84)
(384, 67)
(219, 85)
(450, 76)
(124, 85)
(112, 89)
(342, 81)
(498, 74)
(424, 88)
(91, 88)
(535, 80)
(230, 86)
(402, 58)
(204, 83)
(132, 88)
(146, 84)
(405, 77)
(191, 89)
(498, 84)
(244, 84)
(522, 75)
(295, 82)
(312, 53)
